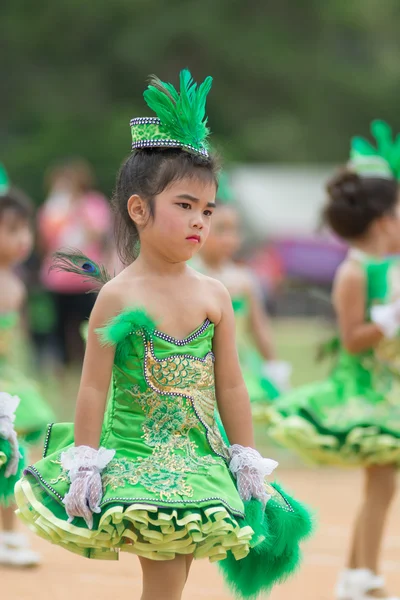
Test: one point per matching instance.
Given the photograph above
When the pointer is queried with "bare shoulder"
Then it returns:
(12, 292)
(349, 271)
(349, 279)
(110, 302)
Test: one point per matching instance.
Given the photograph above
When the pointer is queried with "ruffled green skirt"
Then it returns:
(257, 547)
(350, 419)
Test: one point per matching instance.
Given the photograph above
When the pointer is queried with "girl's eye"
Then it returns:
(208, 213)
(185, 205)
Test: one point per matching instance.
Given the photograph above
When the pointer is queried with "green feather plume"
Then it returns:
(4, 181)
(73, 261)
(183, 114)
(386, 148)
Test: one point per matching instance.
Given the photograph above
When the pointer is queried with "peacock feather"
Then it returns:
(73, 261)
(182, 114)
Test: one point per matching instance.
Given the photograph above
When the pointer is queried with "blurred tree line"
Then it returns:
(293, 80)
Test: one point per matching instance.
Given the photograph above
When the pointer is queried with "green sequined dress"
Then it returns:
(33, 414)
(352, 417)
(168, 489)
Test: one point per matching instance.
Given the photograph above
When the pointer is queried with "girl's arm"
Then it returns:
(357, 334)
(96, 373)
(259, 324)
(232, 397)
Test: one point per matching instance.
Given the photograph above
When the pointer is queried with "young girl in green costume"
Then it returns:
(153, 476)
(31, 413)
(265, 376)
(353, 418)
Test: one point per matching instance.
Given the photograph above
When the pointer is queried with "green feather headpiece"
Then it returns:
(382, 161)
(4, 181)
(181, 120)
(225, 193)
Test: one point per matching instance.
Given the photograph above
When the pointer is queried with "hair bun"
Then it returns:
(345, 188)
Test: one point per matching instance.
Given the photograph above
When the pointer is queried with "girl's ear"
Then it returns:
(138, 210)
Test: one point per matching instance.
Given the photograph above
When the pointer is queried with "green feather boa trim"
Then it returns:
(278, 555)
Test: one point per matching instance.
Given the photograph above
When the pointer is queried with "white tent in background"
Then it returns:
(280, 200)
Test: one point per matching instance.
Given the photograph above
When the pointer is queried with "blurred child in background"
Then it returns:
(265, 376)
(32, 414)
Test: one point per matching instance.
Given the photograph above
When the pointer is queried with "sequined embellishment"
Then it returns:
(185, 376)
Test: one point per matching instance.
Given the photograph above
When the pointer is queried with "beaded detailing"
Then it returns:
(47, 439)
(149, 132)
(145, 121)
(185, 341)
(128, 501)
(277, 498)
(167, 143)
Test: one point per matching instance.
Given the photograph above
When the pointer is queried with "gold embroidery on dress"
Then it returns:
(179, 399)
(188, 377)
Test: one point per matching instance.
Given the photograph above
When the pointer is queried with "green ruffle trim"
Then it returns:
(143, 529)
(361, 446)
(7, 484)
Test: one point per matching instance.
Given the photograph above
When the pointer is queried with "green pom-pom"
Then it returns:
(116, 332)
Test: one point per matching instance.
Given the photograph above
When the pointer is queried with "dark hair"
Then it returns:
(355, 202)
(16, 201)
(147, 172)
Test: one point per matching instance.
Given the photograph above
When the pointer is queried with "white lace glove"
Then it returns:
(250, 470)
(84, 465)
(387, 318)
(279, 372)
(8, 406)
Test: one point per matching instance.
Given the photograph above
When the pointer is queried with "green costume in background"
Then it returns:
(33, 414)
(353, 417)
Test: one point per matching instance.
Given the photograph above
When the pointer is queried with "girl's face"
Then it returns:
(224, 239)
(181, 222)
(16, 239)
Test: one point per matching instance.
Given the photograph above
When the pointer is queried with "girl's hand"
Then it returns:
(250, 470)
(387, 318)
(84, 466)
(8, 406)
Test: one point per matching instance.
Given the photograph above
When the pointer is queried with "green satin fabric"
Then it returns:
(169, 451)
